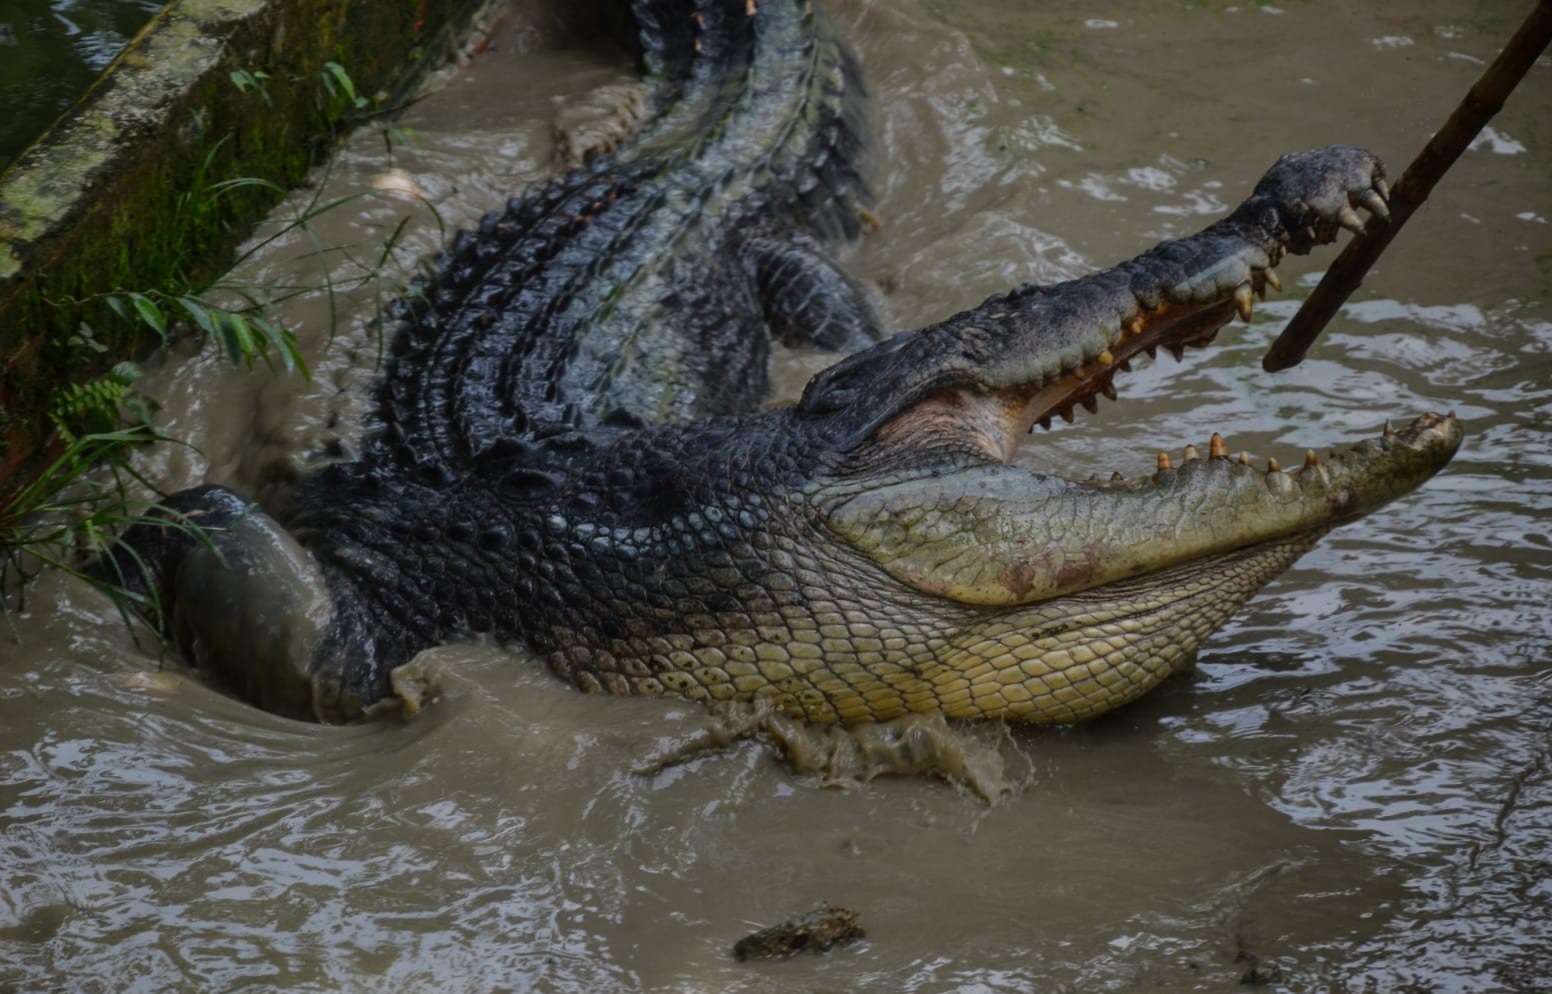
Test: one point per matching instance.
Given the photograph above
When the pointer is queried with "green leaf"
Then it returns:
(338, 80)
(280, 339)
(241, 345)
(149, 313)
(117, 306)
(125, 373)
(200, 314)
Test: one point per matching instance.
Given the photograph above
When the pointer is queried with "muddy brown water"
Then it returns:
(1353, 794)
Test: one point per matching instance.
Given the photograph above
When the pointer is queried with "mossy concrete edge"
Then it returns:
(92, 206)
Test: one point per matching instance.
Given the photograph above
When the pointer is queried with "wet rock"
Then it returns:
(816, 932)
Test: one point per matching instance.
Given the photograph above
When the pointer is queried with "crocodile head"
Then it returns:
(1019, 594)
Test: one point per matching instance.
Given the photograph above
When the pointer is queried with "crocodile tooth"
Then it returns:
(1272, 279)
(1191, 453)
(1349, 219)
(1116, 477)
(1066, 413)
(1217, 448)
(1108, 389)
(1244, 301)
(1135, 325)
(1381, 187)
(1244, 459)
(1105, 358)
(1153, 351)
(1090, 404)
(1389, 431)
(1126, 365)
(1164, 462)
(1273, 466)
(1372, 202)
(1178, 351)
(1045, 422)
(1310, 459)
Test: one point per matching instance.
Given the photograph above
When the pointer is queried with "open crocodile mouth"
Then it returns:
(999, 535)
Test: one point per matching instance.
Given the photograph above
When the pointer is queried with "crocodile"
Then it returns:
(569, 448)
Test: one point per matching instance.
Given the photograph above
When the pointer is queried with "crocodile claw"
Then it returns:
(1317, 190)
(1349, 219)
(1373, 201)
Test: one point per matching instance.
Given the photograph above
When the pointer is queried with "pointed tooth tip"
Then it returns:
(1191, 453)
(1090, 404)
(1244, 459)
(1066, 414)
(1108, 389)
(1217, 447)
(1116, 477)
(1244, 301)
(1164, 461)
(1272, 279)
(1273, 466)
(1310, 459)
(1381, 187)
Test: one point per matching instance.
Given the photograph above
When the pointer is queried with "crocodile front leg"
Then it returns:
(1039, 350)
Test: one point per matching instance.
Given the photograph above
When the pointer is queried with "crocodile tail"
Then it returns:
(667, 31)
(833, 179)
(705, 50)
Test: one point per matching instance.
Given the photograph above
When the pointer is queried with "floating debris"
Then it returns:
(815, 932)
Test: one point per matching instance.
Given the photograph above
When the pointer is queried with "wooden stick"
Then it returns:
(1347, 272)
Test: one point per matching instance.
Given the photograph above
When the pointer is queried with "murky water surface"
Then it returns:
(1354, 794)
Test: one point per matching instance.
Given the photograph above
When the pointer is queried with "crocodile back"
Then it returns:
(617, 292)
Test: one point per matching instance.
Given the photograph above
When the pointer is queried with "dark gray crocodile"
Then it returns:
(568, 449)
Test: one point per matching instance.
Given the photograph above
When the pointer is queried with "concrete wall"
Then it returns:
(92, 206)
